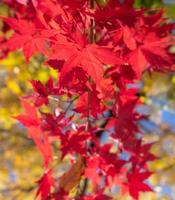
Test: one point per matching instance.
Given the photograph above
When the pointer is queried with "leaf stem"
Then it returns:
(70, 104)
(88, 110)
(92, 23)
(92, 40)
(85, 184)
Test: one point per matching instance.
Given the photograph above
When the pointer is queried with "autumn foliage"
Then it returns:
(100, 52)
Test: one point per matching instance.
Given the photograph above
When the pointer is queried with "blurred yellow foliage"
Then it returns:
(20, 169)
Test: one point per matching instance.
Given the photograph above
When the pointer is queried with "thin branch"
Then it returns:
(88, 111)
(92, 40)
(70, 104)
(92, 25)
(85, 184)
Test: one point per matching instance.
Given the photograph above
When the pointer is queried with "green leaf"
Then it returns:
(148, 3)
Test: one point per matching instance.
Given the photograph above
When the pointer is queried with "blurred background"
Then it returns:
(20, 162)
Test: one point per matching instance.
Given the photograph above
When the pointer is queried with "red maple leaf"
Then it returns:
(42, 142)
(136, 184)
(31, 120)
(46, 182)
(125, 113)
(91, 57)
(72, 142)
(30, 117)
(141, 153)
(150, 54)
(42, 91)
(92, 171)
(31, 39)
(95, 103)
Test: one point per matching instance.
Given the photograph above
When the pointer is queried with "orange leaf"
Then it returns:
(71, 178)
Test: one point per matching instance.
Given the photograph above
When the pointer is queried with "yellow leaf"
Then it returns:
(162, 163)
(13, 59)
(14, 87)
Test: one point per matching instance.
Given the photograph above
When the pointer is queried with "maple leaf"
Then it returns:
(51, 8)
(42, 142)
(109, 15)
(121, 75)
(129, 39)
(28, 37)
(31, 120)
(151, 54)
(50, 122)
(127, 34)
(46, 182)
(73, 176)
(82, 102)
(141, 153)
(92, 170)
(73, 142)
(43, 91)
(30, 117)
(112, 166)
(90, 57)
(136, 184)
(125, 113)
(105, 89)
(75, 81)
